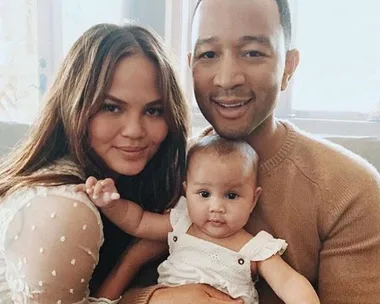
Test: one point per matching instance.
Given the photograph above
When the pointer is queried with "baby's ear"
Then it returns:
(256, 196)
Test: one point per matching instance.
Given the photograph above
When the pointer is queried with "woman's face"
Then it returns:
(130, 126)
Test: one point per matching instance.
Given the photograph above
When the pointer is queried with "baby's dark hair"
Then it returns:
(222, 147)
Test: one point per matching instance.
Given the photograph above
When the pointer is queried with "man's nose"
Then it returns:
(229, 74)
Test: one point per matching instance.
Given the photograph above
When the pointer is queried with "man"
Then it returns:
(323, 200)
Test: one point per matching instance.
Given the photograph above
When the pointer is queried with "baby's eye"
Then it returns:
(231, 196)
(204, 194)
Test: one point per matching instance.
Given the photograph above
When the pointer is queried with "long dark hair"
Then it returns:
(77, 94)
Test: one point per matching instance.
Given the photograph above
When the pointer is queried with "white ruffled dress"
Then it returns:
(193, 260)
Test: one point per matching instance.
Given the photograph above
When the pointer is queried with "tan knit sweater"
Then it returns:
(325, 202)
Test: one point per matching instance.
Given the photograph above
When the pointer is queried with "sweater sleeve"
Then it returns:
(139, 295)
(349, 269)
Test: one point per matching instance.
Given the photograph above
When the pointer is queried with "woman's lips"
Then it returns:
(131, 152)
(131, 149)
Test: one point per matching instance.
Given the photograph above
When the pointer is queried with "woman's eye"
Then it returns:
(204, 194)
(111, 108)
(155, 111)
(232, 196)
(207, 55)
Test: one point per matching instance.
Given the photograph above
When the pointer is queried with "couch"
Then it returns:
(367, 147)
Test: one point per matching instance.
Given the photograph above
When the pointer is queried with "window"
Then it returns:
(18, 60)
(335, 90)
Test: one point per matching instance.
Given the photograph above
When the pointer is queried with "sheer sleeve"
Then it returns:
(51, 248)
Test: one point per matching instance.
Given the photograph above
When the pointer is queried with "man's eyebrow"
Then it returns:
(260, 39)
(203, 41)
(243, 39)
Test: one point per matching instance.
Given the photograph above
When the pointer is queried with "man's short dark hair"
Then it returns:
(285, 19)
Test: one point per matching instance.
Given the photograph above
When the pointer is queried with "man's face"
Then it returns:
(238, 63)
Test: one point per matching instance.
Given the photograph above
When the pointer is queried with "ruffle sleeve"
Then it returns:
(263, 246)
(179, 212)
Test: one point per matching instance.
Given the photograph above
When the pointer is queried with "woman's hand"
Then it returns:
(192, 293)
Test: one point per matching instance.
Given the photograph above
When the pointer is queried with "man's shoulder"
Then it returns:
(326, 160)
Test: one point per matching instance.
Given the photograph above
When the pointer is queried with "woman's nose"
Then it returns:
(133, 127)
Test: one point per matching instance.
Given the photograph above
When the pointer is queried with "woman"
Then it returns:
(115, 109)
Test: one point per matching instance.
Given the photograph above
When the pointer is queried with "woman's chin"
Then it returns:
(128, 170)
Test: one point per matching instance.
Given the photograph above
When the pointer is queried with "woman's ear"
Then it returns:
(184, 186)
(256, 196)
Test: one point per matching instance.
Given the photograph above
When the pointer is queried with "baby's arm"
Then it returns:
(288, 284)
(127, 215)
(130, 263)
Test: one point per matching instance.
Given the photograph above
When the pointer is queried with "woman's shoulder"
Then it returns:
(65, 165)
(56, 233)
(46, 207)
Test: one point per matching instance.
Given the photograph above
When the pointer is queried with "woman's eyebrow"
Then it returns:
(120, 101)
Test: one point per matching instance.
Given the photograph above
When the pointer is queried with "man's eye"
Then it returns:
(155, 111)
(207, 55)
(204, 194)
(111, 108)
(231, 196)
(251, 54)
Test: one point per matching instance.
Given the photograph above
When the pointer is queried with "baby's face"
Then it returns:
(221, 193)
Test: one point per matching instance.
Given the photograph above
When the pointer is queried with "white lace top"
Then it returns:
(194, 260)
(49, 244)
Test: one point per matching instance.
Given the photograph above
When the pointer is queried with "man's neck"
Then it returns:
(268, 138)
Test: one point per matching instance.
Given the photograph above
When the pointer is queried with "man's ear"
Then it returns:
(256, 196)
(189, 57)
(291, 64)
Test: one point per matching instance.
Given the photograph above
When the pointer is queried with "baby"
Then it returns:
(205, 231)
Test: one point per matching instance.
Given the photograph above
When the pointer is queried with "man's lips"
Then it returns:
(231, 109)
(231, 103)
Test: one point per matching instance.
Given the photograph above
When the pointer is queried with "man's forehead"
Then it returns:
(235, 19)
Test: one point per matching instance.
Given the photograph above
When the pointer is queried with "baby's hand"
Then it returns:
(101, 192)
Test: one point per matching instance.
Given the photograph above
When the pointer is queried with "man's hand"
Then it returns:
(191, 293)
